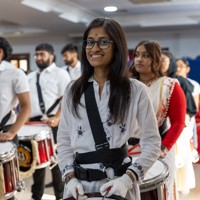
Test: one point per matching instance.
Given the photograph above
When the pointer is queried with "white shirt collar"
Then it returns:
(2, 66)
(50, 68)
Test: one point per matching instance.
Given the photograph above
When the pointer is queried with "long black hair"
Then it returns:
(118, 71)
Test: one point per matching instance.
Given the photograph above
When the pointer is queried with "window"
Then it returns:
(21, 61)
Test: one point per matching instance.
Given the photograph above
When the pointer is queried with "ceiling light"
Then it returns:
(37, 4)
(110, 8)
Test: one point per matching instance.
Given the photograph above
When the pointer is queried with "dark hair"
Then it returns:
(154, 50)
(45, 47)
(7, 49)
(118, 71)
(172, 64)
(184, 60)
(70, 47)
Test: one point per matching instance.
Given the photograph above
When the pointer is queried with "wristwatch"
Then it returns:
(68, 177)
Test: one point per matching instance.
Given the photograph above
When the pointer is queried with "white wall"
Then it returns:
(185, 43)
(182, 43)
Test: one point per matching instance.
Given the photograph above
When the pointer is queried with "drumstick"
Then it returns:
(36, 122)
(107, 190)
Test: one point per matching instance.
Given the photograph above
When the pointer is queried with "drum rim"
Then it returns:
(160, 179)
(37, 136)
(8, 155)
(97, 194)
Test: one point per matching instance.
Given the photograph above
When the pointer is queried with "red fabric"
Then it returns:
(176, 114)
(197, 117)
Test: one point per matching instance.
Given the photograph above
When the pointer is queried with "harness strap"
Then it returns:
(5, 120)
(41, 101)
(96, 174)
(106, 156)
(95, 121)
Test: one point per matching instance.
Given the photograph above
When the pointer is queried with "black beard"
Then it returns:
(43, 65)
(69, 62)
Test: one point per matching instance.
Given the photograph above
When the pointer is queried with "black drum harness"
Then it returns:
(111, 158)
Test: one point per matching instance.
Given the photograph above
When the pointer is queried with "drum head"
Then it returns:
(7, 150)
(34, 131)
(155, 176)
(97, 196)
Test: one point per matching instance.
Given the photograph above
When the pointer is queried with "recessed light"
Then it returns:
(110, 8)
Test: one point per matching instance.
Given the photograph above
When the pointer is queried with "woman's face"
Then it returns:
(142, 60)
(165, 64)
(182, 68)
(101, 54)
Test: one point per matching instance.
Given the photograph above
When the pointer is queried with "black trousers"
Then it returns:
(39, 183)
(39, 175)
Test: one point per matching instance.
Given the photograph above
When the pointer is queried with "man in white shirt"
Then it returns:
(47, 85)
(70, 58)
(14, 90)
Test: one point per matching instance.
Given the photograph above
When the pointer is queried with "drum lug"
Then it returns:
(20, 186)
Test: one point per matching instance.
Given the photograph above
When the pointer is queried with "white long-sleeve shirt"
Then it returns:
(74, 134)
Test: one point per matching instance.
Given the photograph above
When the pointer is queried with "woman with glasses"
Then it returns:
(168, 101)
(99, 113)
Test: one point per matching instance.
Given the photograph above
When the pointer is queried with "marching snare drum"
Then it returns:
(152, 187)
(97, 196)
(35, 142)
(9, 170)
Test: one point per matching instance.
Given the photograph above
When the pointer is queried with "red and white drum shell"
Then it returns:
(9, 170)
(42, 134)
(97, 196)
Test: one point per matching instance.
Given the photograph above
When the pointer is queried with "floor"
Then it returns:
(26, 194)
(194, 193)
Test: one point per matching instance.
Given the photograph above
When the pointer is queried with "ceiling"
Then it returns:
(70, 17)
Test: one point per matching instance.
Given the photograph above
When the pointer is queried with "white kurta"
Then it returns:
(74, 134)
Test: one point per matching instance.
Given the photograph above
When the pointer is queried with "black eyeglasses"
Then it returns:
(102, 44)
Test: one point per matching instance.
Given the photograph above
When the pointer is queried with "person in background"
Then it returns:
(185, 178)
(168, 100)
(87, 164)
(169, 68)
(14, 90)
(183, 68)
(52, 80)
(70, 58)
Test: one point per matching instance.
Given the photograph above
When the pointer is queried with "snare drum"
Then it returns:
(35, 142)
(97, 196)
(9, 170)
(153, 187)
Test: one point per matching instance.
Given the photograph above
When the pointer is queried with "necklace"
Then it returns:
(150, 82)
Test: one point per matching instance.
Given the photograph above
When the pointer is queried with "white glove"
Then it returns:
(119, 186)
(76, 188)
